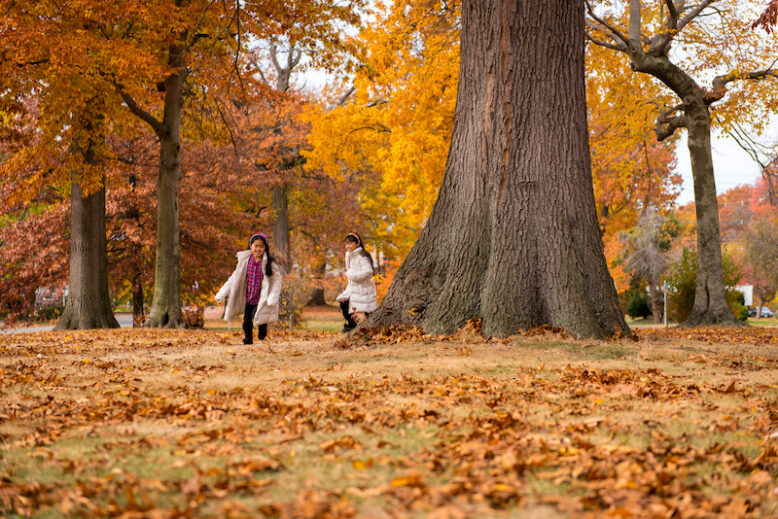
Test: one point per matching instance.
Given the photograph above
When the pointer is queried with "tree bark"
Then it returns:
(317, 295)
(710, 302)
(513, 237)
(166, 299)
(89, 304)
(281, 225)
(137, 299)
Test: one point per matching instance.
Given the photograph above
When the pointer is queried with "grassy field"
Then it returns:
(151, 423)
(751, 321)
(316, 318)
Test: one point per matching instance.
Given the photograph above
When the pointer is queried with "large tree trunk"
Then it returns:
(710, 302)
(89, 304)
(513, 237)
(166, 299)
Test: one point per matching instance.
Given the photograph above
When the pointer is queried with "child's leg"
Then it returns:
(344, 309)
(248, 323)
(261, 332)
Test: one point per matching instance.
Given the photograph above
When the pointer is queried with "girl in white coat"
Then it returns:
(360, 294)
(254, 289)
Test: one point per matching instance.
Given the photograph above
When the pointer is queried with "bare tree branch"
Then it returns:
(693, 14)
(345, 97)
(659, 43)
(672, 19)
(611, 31)
(614, 46)
(274, 56)
(376, 102)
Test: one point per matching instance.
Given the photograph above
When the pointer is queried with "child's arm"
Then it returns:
(275, 286)
(224, 291)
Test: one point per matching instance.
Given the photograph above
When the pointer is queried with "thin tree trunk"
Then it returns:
(283, 251)
(513, 237)
(656, 303)
(710, 302)
(317, 296)
(281, 225)
(89, 304)
(137, 299)
(166, 300)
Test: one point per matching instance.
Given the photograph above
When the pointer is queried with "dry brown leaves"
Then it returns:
(135, 424)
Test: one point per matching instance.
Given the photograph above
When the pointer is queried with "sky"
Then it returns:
(731, 166)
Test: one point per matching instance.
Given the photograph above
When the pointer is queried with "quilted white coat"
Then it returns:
(360, 291)
(235, 291)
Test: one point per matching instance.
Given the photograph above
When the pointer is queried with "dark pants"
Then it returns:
(344, 309)
(248, 325)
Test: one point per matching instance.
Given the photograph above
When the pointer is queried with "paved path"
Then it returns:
(125, 321)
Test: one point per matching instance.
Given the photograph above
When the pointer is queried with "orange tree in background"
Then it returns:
(760, 246)
(395, 130)
(80, 62)
(148, 57)
(56, 58)
(632, 171)
(213, 224)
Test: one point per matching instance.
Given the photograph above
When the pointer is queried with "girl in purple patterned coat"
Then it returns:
(253, 288)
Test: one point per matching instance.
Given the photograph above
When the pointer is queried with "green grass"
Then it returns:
(583, 351)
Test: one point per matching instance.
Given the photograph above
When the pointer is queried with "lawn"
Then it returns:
(152, 423)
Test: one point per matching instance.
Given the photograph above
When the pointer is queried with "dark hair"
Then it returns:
(269, 262)
(354, 237)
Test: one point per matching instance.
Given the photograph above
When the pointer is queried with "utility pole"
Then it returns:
(664, 312)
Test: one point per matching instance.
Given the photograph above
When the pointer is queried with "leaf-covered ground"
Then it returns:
(143, 423)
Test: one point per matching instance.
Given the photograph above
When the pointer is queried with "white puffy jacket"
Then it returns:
(360, 291)
(235, 291)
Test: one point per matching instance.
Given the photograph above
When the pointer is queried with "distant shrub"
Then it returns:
(48, 313)
(682, 280)
(636, 303)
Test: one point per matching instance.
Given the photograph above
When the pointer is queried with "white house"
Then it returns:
(748, 293)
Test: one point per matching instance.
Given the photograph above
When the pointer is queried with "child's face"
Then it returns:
(351, 245)
(257, 248)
